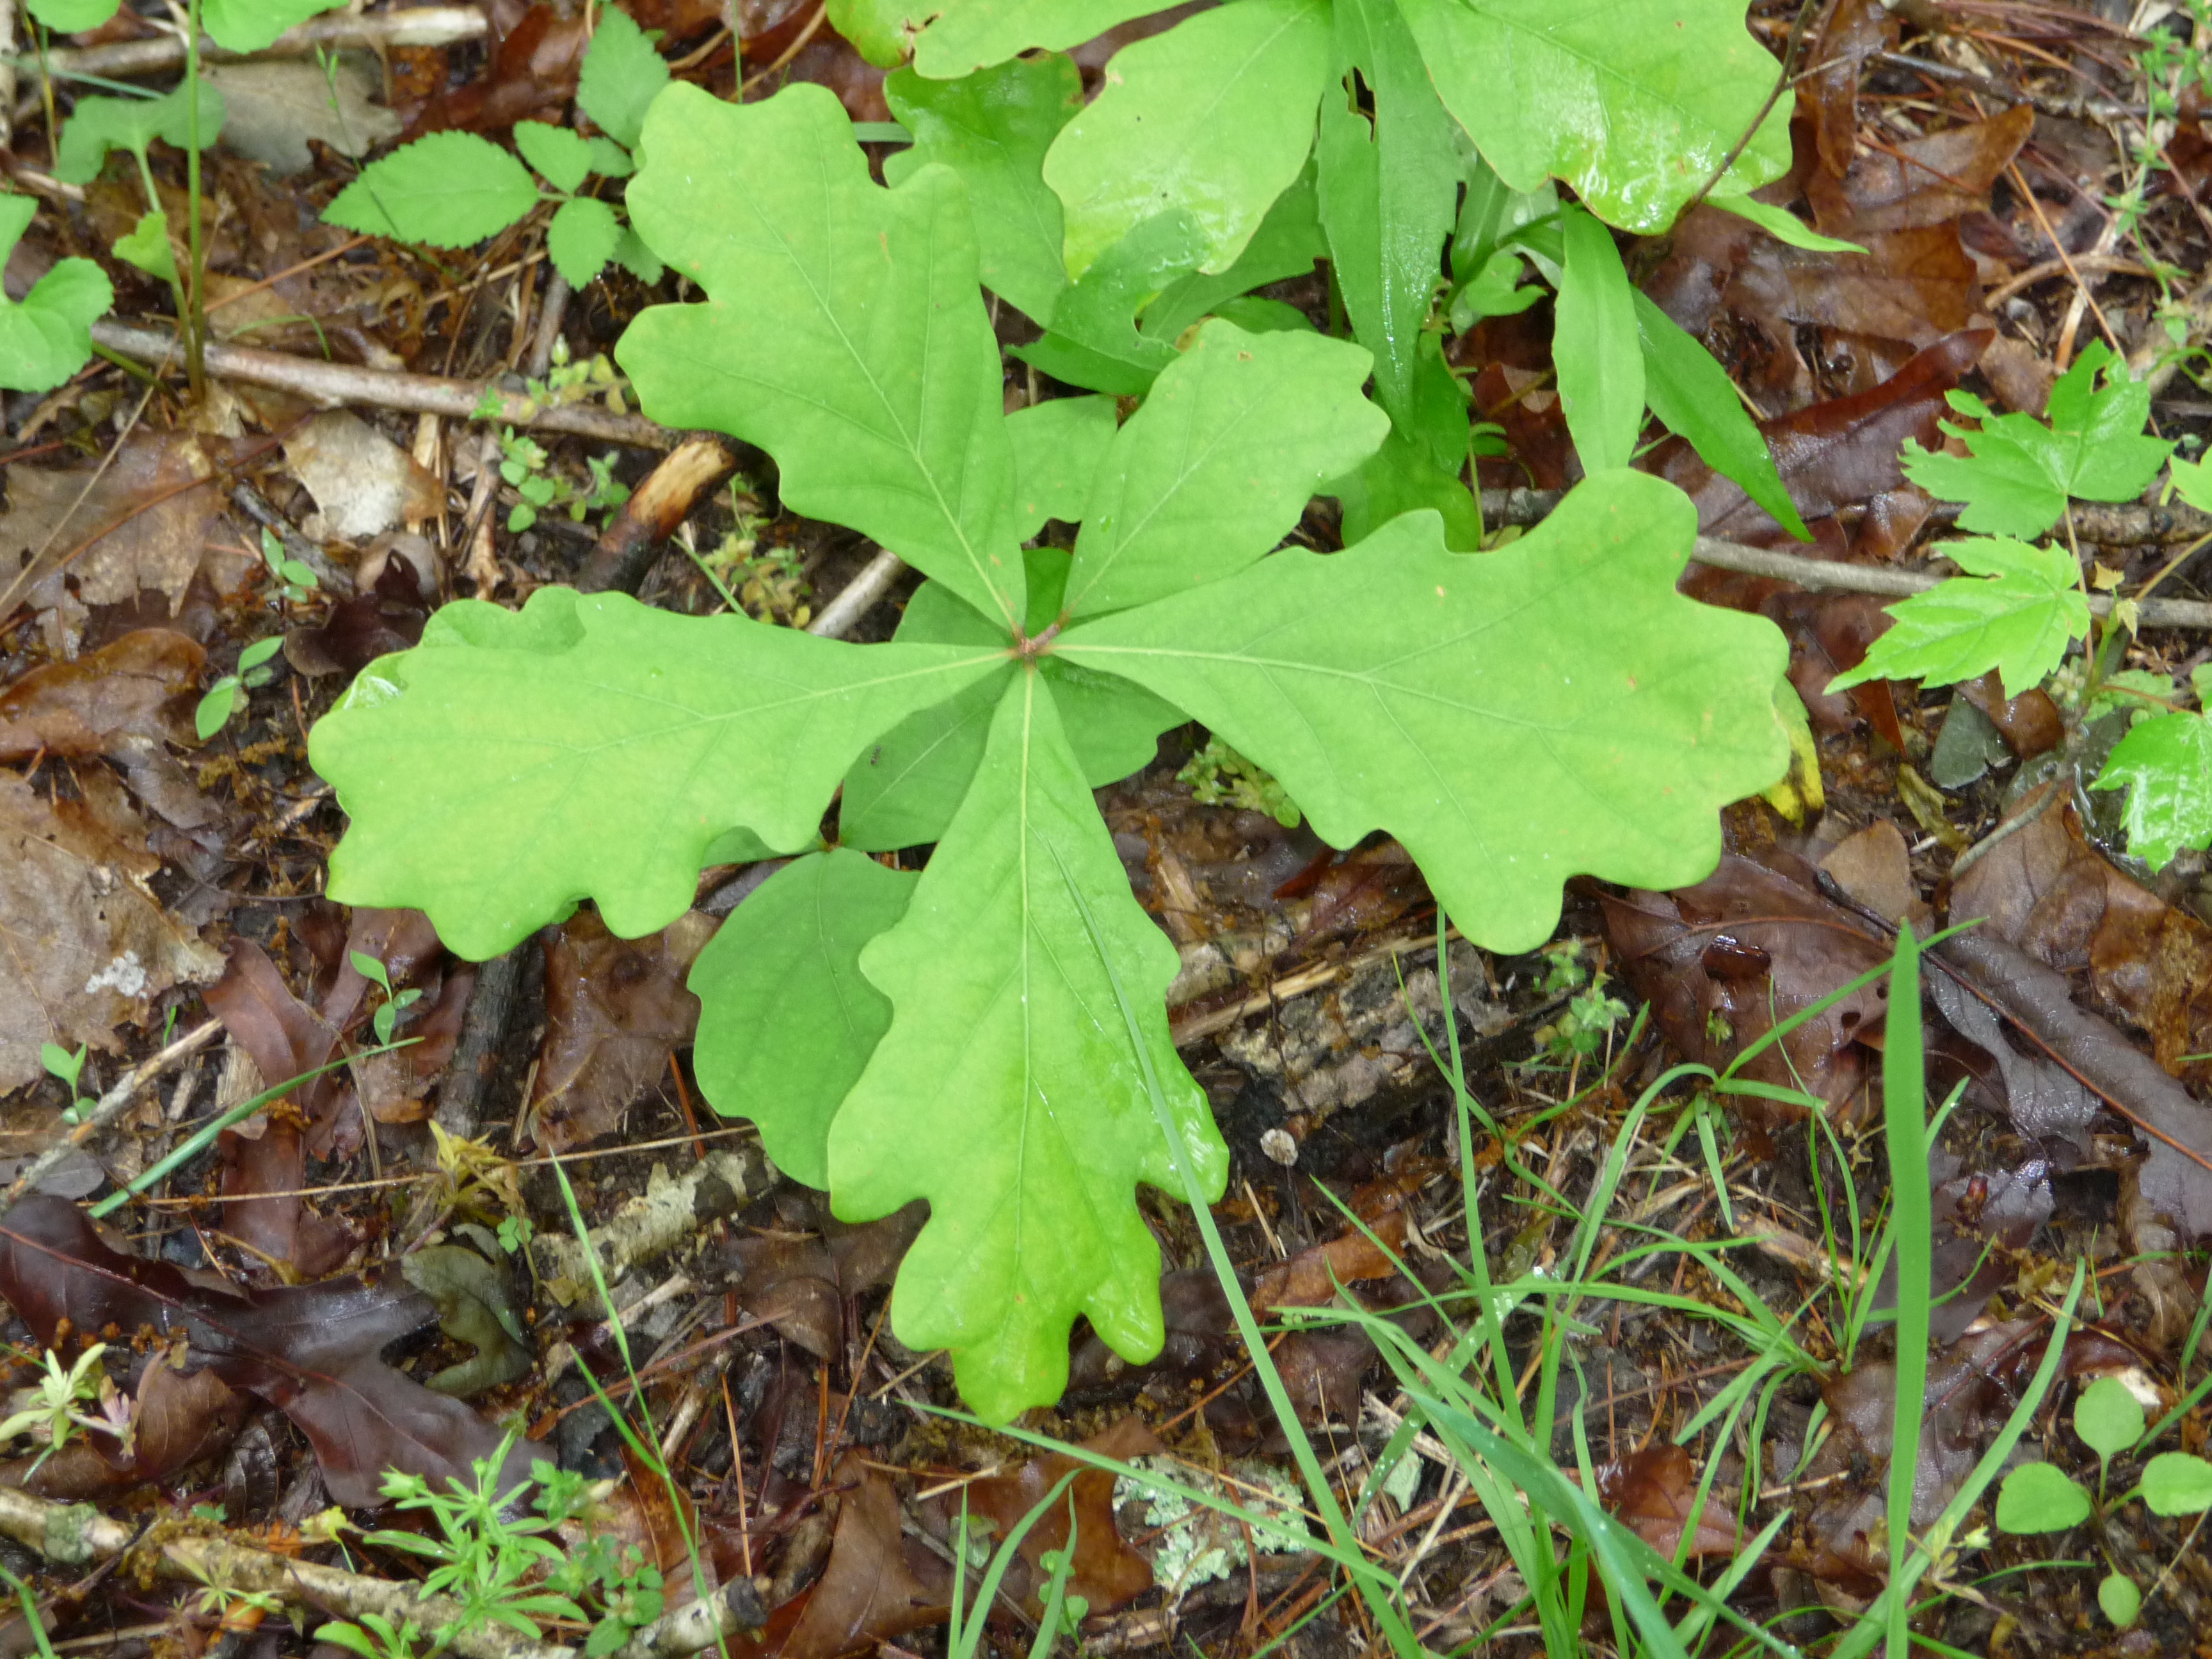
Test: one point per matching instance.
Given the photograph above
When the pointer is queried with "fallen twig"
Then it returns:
(112, 1105)
(336, 384)
(415, 26)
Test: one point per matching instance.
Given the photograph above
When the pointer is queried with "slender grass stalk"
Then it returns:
(194, 319)
(1904, 1128)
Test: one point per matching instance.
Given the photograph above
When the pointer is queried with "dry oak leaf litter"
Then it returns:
(83, 946)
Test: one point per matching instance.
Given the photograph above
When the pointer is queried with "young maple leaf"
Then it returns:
(2017, 618)
(2021, 471)
(2164, 764)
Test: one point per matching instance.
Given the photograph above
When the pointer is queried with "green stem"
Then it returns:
(194, 317)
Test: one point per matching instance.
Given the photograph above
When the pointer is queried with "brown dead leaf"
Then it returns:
(1853, 32)
(868, 1594)
(1107, 1573)
(1653, 1491)
(363, 482)
(179, 1417)
(2029, 723)
(83, 948)
(1310, 1278)
(138, 686)
(615, 1010)
(1722, 962)
(531, 65)
(1922, 182)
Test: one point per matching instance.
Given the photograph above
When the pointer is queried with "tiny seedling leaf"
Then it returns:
(100, 124)
(1395, 684)
(992, 128)
(147, 247)
(1239, 432)
(1597, 346)
(582, 238)
(1215, 118)
(794, 945)
(2108, 1417)
(2014, 612)
(2041, 1497)
(46, 336)
(562, 155)
(621, 76)
(449, 189)
(2120, 1599)
(2177, 1482)
(2021, 471)
(1006, 1018)
(1636, 103)
(843, 331)
(2164, 764)
(461, 760)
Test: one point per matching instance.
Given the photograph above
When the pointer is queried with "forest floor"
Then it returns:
(161, 902)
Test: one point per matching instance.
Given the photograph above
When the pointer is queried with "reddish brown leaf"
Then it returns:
(1107, 1573)
(615, 1011)
(311, 1351)
(280, 1033)
(1722, 962)
(1310, 1278)
(1920, 183)
(388, 617)
(138, 688)
(1653, 1491)
(1852, 31)
(532, 66)
(2029, 723)
(868, 1594)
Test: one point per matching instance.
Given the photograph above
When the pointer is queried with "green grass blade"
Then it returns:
(1904, 1130)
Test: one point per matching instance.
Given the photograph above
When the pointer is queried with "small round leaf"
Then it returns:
(2175, 1483)
(582, 238)
(2108, 1417)
(2039, 1497)
(2120, 1598)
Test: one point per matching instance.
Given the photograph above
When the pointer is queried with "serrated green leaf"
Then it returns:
(992, 127)
(1514, 718)
(1215, 117)
(147, 247)
(560, 155)
(2192, 482)
(621, 75)
(967, 35)
(1007, 1091)
(609, 159)
(634, 257)
(1220, 462)
(100, 124)
(1095, 341)
(588, 747)
(843, 331)
(2017, 619)
(2178, 1483)
(1058, 448)
(794, 945)
(2039, 1497)
(46, 336)
(1636, 104)
(1780, 224)
(72, 16)
(1388, 197)
(1692, 398)
(2021, 471)
(2108, 1417)
(2164, 764)
(582, 238)
(2112, 694)
(1595, 345)
(449, 189)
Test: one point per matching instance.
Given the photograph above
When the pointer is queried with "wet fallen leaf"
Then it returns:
(868, 1594)
(364, 483)
(1310, 1278)
(1922, 182)
(615, 1010)
(1653, 1491)
(1107, 1573)
(139, 687)
(311, 1351)
(83, 948)
(531, 65)
(387, 616)
(271, 109)
(1853, 32)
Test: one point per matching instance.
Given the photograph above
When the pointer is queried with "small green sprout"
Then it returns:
(69, 1067)
(395, 1003)
(1219, 776)
(51, 1412)
(227, 695)
(294, 579)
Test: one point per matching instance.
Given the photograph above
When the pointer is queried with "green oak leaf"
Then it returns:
(588, 747)
(562, 155)
(881, 30)
(583, 237)
(1215, 118)
(967, 35)
(46, 336)
(1389, 195)
(1218, 465)
(1400, 477)
(1058, 448)
(1595, 346)
(621, 75)
(992, 128)
(794, 945)
(1692, 398)
(843, 330)
(1513, 718)
(252, 25)
(2040, 1497)
(98, 125)
(2164, 764)
(2021, 471)
(1287, 243)
(1094, 341)
(2015, 611)
(449, 189)
(1007, 1091)
(1636, 103)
